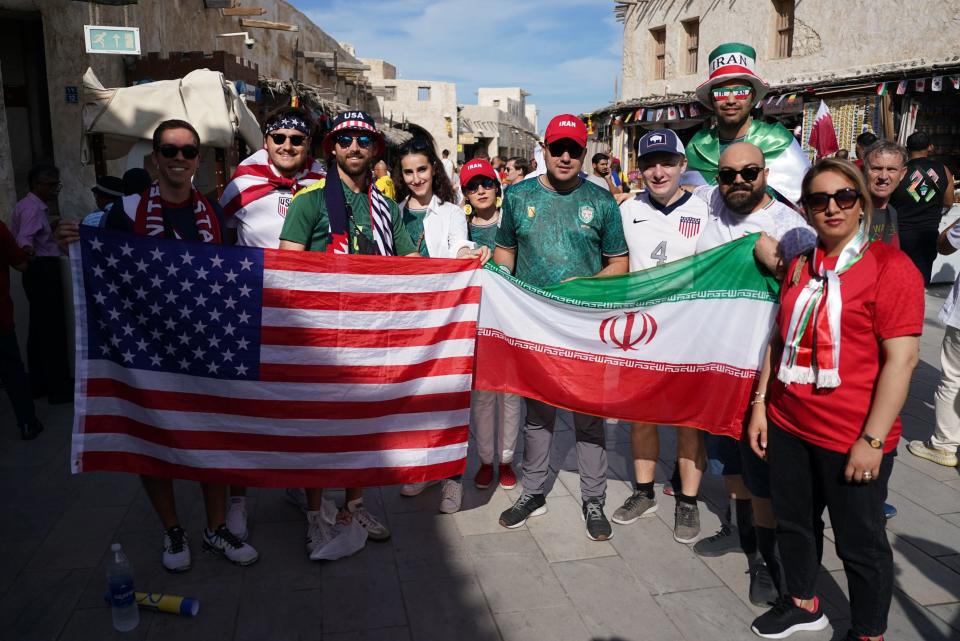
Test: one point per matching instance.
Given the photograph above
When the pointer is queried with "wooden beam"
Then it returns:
(266, 24)
(244, 11)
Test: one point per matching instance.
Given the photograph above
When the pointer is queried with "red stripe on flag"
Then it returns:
(370, 302)
(323, 263)
(332, 478)
(713, 401)
(325, 337)
(731, 69)
(241, 441)
(384, 374)
(182, 401)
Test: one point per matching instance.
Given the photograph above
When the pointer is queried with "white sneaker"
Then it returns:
(176, 550)
(451, 496)
(297, 496)
(237, 517)
(223, 542)
(413, 489)
(376, 531)
(319, 532)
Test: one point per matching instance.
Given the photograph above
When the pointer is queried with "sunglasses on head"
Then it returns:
(740, 92)
(485, 182)
(819, 201)
(170, 151)
(363, 140)
(729, 176)
(558, 147)
(279, 139)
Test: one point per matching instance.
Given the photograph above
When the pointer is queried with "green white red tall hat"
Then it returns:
(732, 61)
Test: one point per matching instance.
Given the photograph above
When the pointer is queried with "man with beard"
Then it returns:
(731, 91)
(554, 228)
(346, 214)
(741, 205)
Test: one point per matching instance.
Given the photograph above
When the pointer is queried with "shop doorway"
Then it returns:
(25, 99)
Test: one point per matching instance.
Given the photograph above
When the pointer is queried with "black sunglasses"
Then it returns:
(728, 176)
(170, 151)
(363, 141)
(296, 141)
(558, 147)
(819, 201)
(477, 183)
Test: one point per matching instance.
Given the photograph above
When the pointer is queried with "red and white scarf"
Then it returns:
(256, 178)
(811, 352)
(148, 215)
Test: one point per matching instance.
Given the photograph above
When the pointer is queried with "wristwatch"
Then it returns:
(875, 443)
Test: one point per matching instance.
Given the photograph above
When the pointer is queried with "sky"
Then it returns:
(566, 53)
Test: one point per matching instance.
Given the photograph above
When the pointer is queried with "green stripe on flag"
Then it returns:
(728, 271)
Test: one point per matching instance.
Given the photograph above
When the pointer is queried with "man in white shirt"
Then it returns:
(662, 224)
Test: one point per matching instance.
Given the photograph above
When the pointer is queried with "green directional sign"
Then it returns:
(117, 40)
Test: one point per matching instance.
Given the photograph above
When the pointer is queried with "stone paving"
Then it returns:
(443, 577)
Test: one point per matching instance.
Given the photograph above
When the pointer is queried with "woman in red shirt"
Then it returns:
(837, 373)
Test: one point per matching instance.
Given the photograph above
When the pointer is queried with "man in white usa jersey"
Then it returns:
(662, 225)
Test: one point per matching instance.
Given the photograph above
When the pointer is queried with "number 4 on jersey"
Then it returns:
(659, 254)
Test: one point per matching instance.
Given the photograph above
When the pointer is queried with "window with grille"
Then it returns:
(390, 93)
(783, 45)
(692, 29)
(659, 53)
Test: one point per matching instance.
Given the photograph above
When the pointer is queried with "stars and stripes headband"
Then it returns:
(289, 122)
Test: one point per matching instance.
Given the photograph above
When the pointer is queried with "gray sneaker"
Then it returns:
(723, 542)
(686, 523)
(637, 506)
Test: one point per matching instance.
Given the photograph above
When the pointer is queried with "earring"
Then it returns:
(499, 202)
(468, 209)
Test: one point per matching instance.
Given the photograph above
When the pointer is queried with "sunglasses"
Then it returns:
(363, 140)
(729, 176)
(740, 92)
(170, 151)
(558, 147)
(477, 183)
(296, 141)
(819, 201)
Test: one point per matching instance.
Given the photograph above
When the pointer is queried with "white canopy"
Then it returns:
(203, 98)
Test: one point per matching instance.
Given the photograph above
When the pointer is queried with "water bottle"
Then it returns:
(123, 601)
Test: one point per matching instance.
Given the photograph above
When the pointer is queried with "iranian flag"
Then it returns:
(679, 344)
(823, 137)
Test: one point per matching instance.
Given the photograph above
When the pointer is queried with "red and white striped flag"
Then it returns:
(823, 137)
(263, 367)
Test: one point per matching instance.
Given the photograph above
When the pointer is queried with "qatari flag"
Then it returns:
(823, 137)
(263, 367)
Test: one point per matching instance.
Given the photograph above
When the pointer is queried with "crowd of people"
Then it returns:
(823, 424)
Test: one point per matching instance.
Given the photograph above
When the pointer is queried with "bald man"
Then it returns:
(740, 205)
(383, 180)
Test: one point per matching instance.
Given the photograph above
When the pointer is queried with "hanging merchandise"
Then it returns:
(920, 84)
(882, 89)
(901, 87)
(955, 80)
(936, 84)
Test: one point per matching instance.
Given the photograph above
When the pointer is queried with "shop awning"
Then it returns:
(482, 128)
(203, 98)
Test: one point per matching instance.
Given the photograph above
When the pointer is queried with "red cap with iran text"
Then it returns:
(566, 126)
(474, 168)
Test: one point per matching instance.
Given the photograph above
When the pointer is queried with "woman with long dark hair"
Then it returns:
(438, 228)
(837, 374)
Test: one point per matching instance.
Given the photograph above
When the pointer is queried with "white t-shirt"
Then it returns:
(597, 180)
(776, 219)
(259, 223)
(950, 312)
(656, 234)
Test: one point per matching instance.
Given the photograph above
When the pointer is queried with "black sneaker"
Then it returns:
(785, 618)
(598, 527)
(723, 542)
(763, 592)
(526, 506)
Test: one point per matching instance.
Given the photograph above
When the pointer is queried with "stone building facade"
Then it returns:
(502, 123)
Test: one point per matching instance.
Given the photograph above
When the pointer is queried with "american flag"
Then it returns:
(689, 226)
(270, 368)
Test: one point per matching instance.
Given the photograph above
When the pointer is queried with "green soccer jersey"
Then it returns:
(413, 221)
(307, 221)
(560, 236)
(484, 234)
